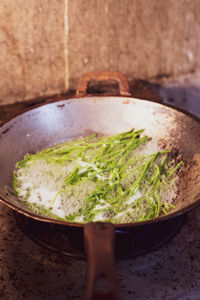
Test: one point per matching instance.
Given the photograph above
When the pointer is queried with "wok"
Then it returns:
(106, 115)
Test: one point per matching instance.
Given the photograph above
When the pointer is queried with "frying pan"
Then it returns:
(106, 115)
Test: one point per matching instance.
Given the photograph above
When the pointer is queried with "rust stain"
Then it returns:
(126, 101)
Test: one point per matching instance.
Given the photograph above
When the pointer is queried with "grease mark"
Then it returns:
(60, 105)
(6, 130)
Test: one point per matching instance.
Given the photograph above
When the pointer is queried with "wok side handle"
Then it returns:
(103, 76)
(102, 275)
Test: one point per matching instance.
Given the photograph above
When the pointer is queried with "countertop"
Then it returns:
(29, 271)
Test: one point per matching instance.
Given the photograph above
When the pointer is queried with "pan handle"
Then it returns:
(99, 246)
(103, 76)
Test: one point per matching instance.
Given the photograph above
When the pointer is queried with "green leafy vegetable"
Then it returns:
(103, 178)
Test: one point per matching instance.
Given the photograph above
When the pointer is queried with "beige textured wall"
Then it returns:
(32, 49)
(143, 38)
(47, 44)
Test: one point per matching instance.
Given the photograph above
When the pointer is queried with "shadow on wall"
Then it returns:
(183, 96)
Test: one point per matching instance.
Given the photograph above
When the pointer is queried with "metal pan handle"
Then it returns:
(103, 76)
(99, 246)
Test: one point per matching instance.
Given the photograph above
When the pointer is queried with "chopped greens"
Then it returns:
(107, 178)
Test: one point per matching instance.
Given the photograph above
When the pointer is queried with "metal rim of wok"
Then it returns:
(4, 130)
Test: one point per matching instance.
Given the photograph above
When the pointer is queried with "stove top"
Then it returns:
(29, 271)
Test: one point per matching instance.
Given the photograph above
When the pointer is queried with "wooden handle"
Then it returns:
(103, 76)
(102, 275)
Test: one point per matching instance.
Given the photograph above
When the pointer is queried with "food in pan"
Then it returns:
(109, 178)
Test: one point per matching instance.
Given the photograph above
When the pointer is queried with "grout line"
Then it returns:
(66, 35)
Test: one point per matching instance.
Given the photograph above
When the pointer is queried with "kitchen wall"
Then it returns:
(33, 60)
(45, 45)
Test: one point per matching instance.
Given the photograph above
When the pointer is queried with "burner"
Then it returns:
(129, 242)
